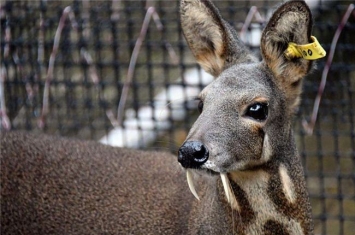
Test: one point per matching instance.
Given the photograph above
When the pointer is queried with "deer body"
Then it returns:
(52, 185)
(240, 150)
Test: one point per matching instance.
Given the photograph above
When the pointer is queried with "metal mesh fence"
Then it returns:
(77, 57)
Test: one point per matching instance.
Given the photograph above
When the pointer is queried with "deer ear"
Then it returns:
(212, 40)
(292, 22)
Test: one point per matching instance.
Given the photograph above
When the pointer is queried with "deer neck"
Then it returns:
(269, 198)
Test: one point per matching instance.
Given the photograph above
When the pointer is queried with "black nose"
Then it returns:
(192, 154)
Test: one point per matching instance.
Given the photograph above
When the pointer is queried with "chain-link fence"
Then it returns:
(120, 72)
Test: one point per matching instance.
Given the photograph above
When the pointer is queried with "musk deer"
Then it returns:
(240, 150)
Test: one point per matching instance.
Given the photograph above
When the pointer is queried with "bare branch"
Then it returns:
(132, 64)
(309, 126)
(112, 118)
(5, 121)
(86, 35)
(253, 12)
(92, 69)
(49, 77)
(151, 13)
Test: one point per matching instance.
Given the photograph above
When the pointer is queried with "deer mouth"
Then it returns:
(206, 168)
(210, 166)
(226, 186)
(194, 155)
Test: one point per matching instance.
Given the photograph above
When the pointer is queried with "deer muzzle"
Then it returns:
(192, 154)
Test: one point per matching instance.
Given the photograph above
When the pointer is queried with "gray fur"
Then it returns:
(59, 186)
(260, 158)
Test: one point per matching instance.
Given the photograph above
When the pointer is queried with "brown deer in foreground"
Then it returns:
(241, 151)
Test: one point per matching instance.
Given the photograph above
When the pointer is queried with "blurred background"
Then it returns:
(120, 72)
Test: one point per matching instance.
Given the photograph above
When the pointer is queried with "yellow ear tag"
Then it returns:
(311, 51)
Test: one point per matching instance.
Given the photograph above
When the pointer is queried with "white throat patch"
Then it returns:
(287, 185)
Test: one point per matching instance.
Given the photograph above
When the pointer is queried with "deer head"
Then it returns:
(246, 111)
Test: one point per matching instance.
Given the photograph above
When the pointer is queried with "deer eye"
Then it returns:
(200, 106)
(257, 111)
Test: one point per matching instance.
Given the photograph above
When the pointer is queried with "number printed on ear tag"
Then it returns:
(311, 51)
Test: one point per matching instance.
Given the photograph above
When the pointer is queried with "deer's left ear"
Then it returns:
(292, 22)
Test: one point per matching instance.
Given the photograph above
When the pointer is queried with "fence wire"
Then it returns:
(65, 66)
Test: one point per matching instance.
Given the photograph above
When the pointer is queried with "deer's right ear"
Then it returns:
(211, 39)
